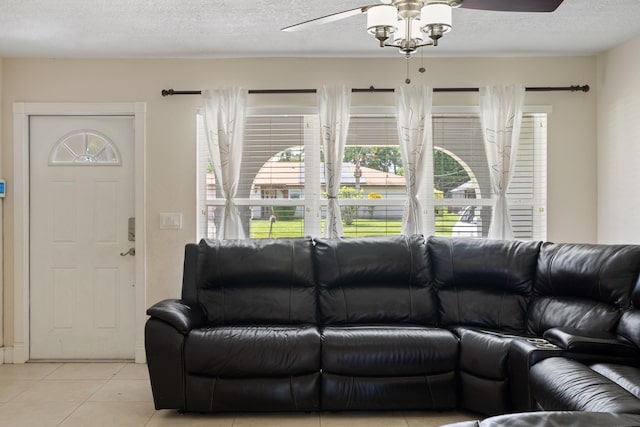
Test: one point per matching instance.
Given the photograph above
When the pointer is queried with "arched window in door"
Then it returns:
(84, 147)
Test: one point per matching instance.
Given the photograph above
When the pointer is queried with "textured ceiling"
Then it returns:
(250, 28)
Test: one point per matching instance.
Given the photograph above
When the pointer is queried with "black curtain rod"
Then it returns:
(577, 88)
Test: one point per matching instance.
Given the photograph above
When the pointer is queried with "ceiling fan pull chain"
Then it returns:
(408, 80)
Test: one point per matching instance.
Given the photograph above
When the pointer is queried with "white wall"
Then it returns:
(619, 144)
(171, 147)
(1, 235)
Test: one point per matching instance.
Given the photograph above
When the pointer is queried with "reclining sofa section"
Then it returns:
(377, 323)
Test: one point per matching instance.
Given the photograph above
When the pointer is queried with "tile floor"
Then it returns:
(119, 395)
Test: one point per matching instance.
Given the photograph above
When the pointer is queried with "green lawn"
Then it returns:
(290, 228)
(360, 227)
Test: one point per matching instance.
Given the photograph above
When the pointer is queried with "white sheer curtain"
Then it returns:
(501, 115)
(413, 110)
(224, 117)
(334, 103)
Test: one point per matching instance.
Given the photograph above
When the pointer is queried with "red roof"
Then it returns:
(291, 174)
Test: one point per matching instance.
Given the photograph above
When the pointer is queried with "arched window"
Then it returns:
(455, 180)
(84, 147)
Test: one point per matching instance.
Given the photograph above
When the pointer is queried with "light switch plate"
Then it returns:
(171, 221)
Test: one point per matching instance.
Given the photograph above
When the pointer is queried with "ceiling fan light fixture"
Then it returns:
(408, 18)
(436, 14)
(382, 21)
(403, 25)
(382, 17)
(436, 20)
(408, 44)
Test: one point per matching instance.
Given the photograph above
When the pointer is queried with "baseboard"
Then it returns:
(141, 355)
(18, 353)
(7, 355)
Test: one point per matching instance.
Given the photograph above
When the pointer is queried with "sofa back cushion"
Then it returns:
(484, 283)
(582, 286)
(252, 281)
(374, 280)
(629, 325)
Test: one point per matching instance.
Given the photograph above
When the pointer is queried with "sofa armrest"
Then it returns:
(523, 354)
(591, 342)
(183, 317)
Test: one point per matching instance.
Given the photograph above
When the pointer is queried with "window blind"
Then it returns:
(282, 178)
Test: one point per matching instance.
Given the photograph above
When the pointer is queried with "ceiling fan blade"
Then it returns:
(328, 18)
(513, 5)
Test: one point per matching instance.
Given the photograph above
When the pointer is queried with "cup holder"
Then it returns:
(542, 343)
(547, 346)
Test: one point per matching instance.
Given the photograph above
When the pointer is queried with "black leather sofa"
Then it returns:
(391, 323)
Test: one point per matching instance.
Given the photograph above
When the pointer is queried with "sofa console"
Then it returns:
(396, 323)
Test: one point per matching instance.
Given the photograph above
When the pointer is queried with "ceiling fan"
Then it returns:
(408, 20)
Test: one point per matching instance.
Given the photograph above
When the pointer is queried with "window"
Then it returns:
(462, 175)
(281, 192)
(84, 147)
(273, 184)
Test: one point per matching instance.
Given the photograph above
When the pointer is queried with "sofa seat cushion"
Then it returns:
(388, 351)
(628, 377)
(558, 383)
(253, 351)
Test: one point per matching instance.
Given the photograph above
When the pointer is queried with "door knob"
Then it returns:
(131, 251)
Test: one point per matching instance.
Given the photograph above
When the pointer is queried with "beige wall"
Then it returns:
(171, 134)
(619, 144)
(1, 236)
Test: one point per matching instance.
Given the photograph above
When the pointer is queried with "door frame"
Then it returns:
(21, 113)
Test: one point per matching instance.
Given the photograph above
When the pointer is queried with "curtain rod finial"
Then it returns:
(167, 92)
(580, 88)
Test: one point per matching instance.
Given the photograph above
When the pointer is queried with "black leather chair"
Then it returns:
(381, 344)
(597, 371)
(244, 336)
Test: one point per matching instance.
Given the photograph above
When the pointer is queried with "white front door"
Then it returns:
(82, 295)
